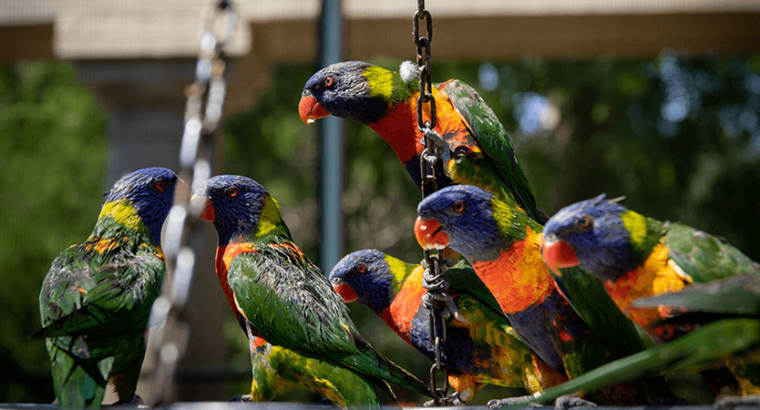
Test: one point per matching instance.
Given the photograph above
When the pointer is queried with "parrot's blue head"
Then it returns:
(237, 205)
(352, 89)
(366, 277)
(150, 191)
(460, 217)
(591, 234)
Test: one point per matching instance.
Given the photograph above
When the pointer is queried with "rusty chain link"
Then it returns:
(430, 167)
(183, 235)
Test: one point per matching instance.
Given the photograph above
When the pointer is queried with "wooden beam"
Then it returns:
(26, 42)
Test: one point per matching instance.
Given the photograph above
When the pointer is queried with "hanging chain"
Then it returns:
(184, 236)
(434, 280)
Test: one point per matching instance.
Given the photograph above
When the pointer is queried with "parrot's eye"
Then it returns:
(160, 185)
(361, 268)
(458, 207)
(329, 81)
(584, 223)
(232, 192)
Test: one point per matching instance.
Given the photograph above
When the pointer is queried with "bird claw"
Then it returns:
(450, 307)
(453, 400)
(728, 402)
(510, 401)
(431, 281)
(570, 401)
(440, 148)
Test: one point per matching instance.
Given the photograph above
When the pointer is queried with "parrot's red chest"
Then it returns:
(399, 127)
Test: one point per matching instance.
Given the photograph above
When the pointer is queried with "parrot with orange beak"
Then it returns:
(503, 246)
(635, 256)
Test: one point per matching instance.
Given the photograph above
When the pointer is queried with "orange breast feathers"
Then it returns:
(518, 278)
(399, 127)
(224, 257)
(658, 275)
(404, 306)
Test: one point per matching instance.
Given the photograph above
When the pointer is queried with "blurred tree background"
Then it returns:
(52, 162)
(678, 135)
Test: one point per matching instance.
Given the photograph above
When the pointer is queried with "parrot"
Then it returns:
(728, 312)
(481, 347)
(279, 294)
(503, 246)
(96, 297)
(277, 370)
(479, 153)
(635, 256)
(475, 146)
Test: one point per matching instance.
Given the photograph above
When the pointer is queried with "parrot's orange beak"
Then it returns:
(310, 109)
(208, 213)
(345, 291)
(558, 254)
(429, 234)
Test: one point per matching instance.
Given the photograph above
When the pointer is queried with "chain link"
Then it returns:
(184, 236)
(430, 167)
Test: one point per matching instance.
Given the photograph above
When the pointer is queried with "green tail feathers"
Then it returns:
(384, 369)
(76, 384)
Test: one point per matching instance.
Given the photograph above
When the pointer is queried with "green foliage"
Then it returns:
(52, 157)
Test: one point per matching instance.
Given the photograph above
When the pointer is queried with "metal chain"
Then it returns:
(436, 284)
(184, 236)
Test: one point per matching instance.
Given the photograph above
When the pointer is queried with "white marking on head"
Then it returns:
(409, 71)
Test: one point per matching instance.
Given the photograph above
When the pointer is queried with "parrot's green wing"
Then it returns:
(462, 278)
(701, 349)
(591, 301)
(291, 304)
(732, 297)
(79, 299)
(95, 308)
(493, 140)
(705, 257)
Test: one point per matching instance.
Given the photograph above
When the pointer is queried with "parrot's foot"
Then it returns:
(135, 401)
(454, 400)
(571, 401)
(728, 402)
(509, 401)
(245, 398)
(449, 306)
(435, 284)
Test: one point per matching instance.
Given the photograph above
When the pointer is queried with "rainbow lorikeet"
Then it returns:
(636, 256)
(503, 246)
(729, 312)
(96, 298)
(279, 294)
(480, 154)
(476, 147)
(277, 370)
(480, 349)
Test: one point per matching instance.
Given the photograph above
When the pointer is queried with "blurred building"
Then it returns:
(138, 56)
